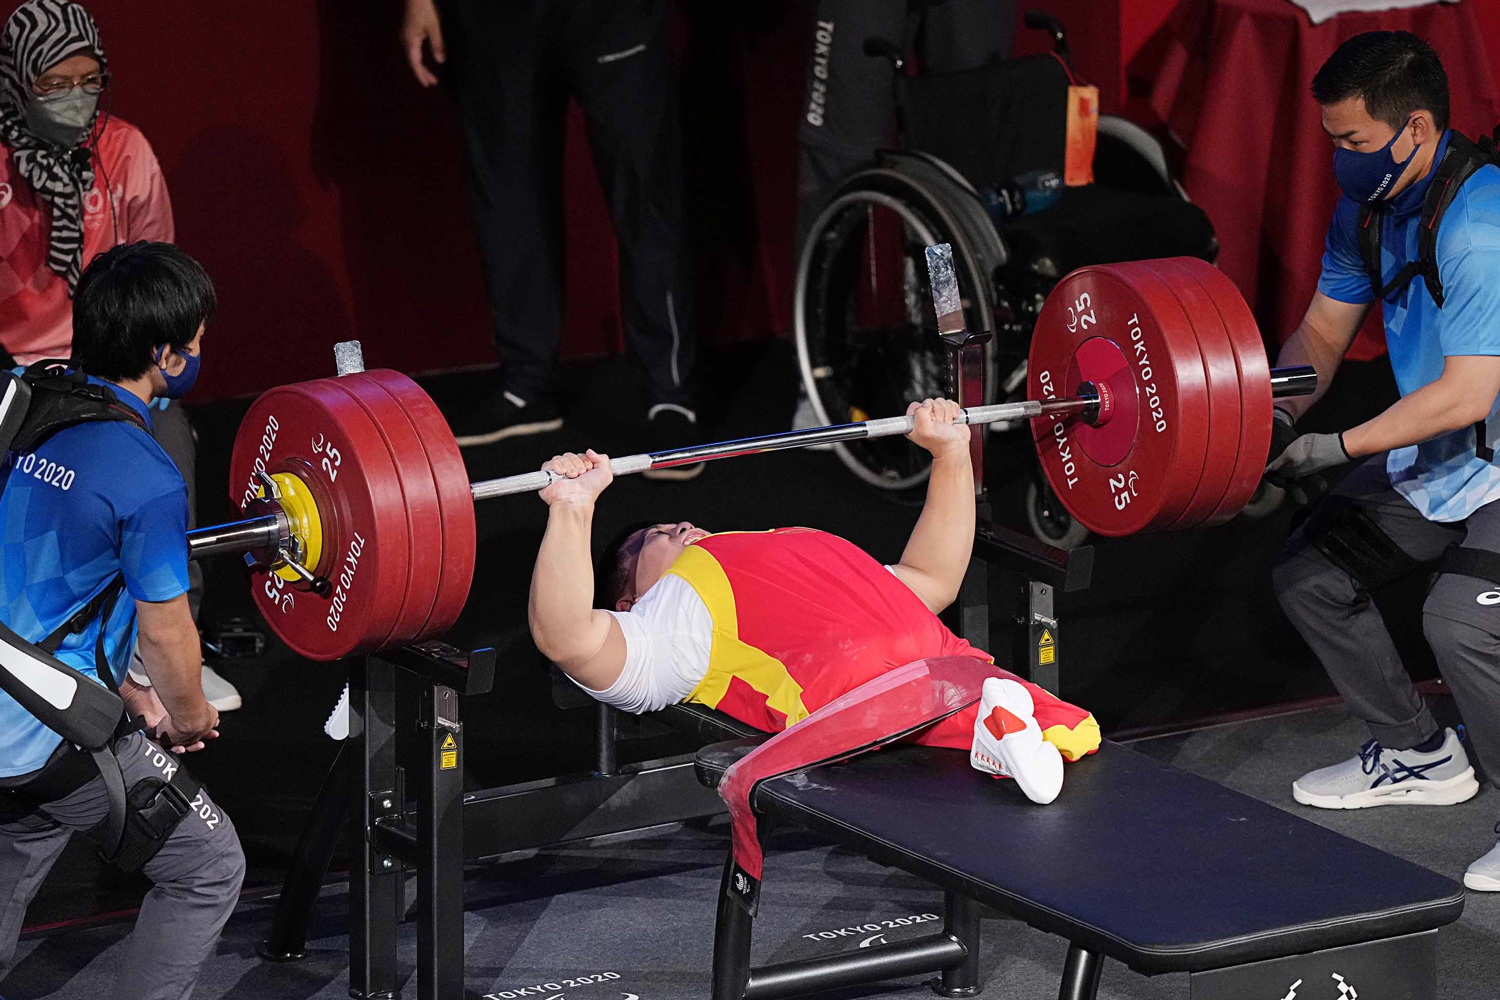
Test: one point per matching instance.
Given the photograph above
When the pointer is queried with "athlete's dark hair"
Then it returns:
(132, 300)
(617, 565)
(1394, 71)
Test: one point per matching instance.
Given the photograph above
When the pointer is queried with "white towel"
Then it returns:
(1322, 10)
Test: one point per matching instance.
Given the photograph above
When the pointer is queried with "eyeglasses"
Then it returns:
(56, 86)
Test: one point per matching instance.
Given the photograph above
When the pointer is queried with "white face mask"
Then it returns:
(61, 119)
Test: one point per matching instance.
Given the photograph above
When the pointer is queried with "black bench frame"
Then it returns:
(434, 827)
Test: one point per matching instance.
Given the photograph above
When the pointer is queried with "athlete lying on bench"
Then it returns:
(770, 626)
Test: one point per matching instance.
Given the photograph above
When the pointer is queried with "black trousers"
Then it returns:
(848, 110)
(514, 64)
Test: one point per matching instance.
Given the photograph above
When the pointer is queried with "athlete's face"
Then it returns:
(657, 548)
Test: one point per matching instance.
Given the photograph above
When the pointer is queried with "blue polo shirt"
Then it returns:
(1443, 478)
(94, 501)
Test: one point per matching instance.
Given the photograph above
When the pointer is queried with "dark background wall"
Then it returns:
(323, 188)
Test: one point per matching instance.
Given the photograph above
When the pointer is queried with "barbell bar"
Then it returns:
(271, 531)
(1150, 405)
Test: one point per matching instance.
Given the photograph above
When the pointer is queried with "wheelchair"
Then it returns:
(865, 331)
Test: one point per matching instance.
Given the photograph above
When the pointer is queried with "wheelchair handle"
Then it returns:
(1040, 20)
(884, 48)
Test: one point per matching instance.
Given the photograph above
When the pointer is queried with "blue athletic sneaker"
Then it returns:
(1381, 777)
(1484, 874)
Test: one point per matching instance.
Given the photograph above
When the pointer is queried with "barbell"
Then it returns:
(1151, 411)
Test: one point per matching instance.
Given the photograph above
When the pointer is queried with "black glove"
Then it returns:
(1283, 433)
(1303, 492)
(6, 361)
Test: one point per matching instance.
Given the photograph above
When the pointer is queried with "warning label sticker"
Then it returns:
(448, 754)
(1046, 648)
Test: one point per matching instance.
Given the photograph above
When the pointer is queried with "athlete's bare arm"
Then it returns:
(584, 642)
(937, 554)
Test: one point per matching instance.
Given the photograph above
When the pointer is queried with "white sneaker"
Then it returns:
(221, 694)
(1008, 741)
(805, 418)
(1484, 874)
(1381, 777)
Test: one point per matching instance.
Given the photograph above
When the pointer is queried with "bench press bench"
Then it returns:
(1137, 860)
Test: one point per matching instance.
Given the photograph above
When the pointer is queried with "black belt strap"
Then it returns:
(101, 606)
(1481, 564)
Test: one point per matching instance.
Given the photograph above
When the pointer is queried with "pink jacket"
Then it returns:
(36, 315)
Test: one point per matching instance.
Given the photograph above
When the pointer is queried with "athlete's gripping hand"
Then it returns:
(422, 25)
(935, 430)
(141, 702)
(1309, 455)
(585, 477)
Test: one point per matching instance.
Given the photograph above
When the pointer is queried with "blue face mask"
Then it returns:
(178, 385)
(1369, 177)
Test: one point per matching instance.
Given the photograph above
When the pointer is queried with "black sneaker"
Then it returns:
(673, 427)
(502, 415)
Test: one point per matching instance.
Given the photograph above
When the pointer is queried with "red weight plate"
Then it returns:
(317, 432)
(456, 520)
(1255, 387)
(419, 500)
(1161, 380)
(1223, 377)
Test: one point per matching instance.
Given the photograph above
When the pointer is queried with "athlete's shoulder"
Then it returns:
(116, 459)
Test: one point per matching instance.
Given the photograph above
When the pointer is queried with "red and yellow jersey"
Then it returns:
(801, 616)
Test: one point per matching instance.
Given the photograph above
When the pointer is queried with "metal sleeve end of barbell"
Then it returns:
(1295, 380)
(348, 357)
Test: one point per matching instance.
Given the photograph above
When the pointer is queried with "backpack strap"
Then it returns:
(1371, 225)
(1463, 158)
(61, 397)
(100, 606)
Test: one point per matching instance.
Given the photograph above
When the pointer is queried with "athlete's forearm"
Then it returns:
(1321, 340)
(1433, 410)
(170, 651)
(1306, 347)
(561, 606)
(943, 539)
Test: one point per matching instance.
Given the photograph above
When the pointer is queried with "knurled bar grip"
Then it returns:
(863, 430)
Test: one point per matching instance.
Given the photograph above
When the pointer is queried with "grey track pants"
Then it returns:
(1460, 618)
(197, 875)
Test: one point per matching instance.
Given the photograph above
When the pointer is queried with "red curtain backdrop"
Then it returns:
(1231, 82)
(323, 189)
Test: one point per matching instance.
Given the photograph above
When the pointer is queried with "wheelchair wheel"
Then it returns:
(1048, 520)
(867, 339)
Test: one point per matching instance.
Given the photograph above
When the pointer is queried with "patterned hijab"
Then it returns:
(39, 35)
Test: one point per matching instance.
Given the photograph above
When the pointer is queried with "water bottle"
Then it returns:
(1022, 195)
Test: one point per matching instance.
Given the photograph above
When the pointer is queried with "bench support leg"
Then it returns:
(961, 922)
(1080, 979)
(731, 942)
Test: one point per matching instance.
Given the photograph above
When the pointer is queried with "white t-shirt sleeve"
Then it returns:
(668, 636)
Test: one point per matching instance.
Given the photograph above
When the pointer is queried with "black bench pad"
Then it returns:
(1138, 860)
(709, 724)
